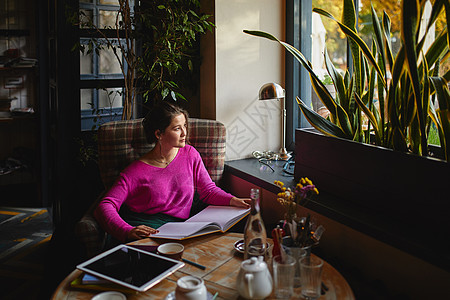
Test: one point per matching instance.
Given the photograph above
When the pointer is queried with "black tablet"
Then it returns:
(131, 267)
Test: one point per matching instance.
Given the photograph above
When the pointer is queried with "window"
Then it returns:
(301, 23)
(101, 78)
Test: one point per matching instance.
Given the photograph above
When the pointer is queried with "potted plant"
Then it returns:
(414, 97)
(301, 230)
(152, 43)
(382, 161)
(297, 234)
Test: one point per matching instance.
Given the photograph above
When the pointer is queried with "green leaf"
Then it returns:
(378, 37)
(180, 96)
(441, 115)
(343, 120)
(262, 34)
(446, 76)
(437, 48)
(440, 85)
(320, 123)
(337, 78)
(195, 14)
(348, 32)
(370, 116)
(399, 140)
(349, 15)
(436, 9)
(164, 93)
(425, 89)
(349, 20)
(324, 96)
(387, 38)
(398, 68)
(447, 15)
(414, 137)
(410, 24)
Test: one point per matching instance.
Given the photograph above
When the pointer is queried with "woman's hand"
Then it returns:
(241, 202)
(140, 232)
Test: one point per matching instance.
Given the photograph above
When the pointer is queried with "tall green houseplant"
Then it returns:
(170, 31)
(411, 94)
(152, 42)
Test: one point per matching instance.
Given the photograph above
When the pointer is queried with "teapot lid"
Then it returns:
(254, 264)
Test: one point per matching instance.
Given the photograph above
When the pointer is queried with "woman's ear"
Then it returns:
(158, 134)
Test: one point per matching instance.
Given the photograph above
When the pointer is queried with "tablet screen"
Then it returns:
(131, 267)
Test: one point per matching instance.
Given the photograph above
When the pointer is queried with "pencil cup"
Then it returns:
(190, 288)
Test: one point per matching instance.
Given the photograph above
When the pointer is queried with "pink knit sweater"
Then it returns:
(148, 189)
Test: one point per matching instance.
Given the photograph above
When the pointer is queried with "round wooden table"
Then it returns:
(214, 251)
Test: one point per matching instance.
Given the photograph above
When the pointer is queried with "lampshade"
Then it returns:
(271, 91)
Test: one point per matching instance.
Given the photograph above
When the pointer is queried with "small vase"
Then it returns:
(297, 253)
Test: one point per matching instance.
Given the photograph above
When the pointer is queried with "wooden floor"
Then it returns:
(33, 257)
(25, 235)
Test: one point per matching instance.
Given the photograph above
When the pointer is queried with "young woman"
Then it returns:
(160, 186)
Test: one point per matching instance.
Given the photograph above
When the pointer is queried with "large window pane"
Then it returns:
(86, 99)
(110, 98)
(99, 104)
(392, 9)
(86, 17)
(108, 62)
(109, 2)
(326, 33)
(439, 26)
(86, 64)
(107, 18)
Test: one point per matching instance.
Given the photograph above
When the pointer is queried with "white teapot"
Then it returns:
(254, 280)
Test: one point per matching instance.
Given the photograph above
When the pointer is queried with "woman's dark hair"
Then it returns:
(159, 118)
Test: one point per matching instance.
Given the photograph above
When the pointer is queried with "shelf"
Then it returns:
(17, 177)
(18, 118)
(6, 120)
(14, 32)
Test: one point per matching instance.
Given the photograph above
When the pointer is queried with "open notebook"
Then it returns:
(212, 219)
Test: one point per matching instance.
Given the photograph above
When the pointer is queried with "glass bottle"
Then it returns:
(255, 237)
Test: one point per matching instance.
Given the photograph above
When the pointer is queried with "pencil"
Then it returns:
(193, 263)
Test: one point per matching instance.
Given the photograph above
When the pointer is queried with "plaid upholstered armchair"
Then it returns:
(122, 142)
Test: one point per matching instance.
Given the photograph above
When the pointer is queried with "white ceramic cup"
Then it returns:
(190, 288)
(171, 250)
(109, 296)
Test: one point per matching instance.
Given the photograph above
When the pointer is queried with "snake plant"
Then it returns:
(411, 94)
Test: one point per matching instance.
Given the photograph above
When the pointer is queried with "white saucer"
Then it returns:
(239, 246)
(171, 296)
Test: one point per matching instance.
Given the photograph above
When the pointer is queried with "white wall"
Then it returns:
(243, 63)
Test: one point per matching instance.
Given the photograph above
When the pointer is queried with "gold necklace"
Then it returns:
(165, 162)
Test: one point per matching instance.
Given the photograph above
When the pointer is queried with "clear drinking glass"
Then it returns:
(311, 276)
(283, 276)
(298, 253)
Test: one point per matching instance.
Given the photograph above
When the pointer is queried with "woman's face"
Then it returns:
(175, 134)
